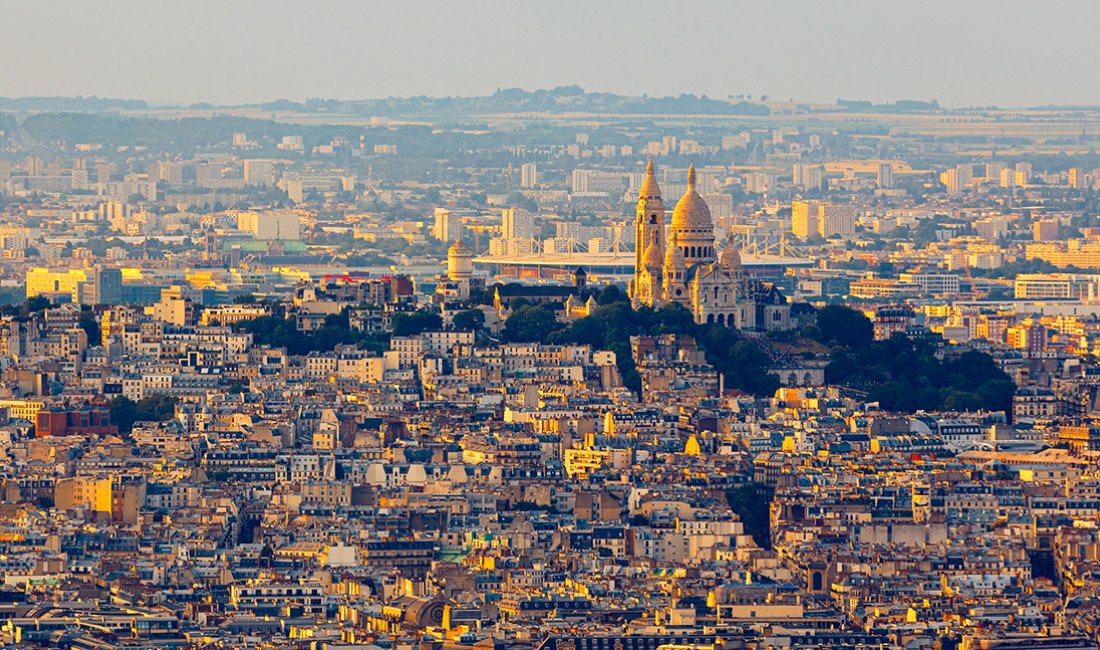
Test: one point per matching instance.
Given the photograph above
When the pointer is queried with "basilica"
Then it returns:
(686, 269)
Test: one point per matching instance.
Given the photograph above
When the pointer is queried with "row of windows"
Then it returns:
(698, 251)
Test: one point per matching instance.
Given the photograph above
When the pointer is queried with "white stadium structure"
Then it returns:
(756, 260)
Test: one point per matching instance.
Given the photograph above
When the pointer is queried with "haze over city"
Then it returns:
(549, 325)
(983, 52)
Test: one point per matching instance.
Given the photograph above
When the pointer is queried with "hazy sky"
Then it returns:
(961, 52)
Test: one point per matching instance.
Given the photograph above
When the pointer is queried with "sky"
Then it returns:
(959, 52)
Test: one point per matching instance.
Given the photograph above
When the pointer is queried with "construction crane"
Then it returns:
(973, 294)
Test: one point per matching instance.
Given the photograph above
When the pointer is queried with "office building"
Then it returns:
(808, 177)
(836, 220)
(951, 182)
(529, 175)
(447, 226)
(517, 223)
(259, 173)
(804, 218)
(1045, 230)
(107, 286)
(270, 225)
(1056, 286)
(885, 177)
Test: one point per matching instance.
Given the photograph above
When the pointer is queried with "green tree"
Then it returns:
(840, 325)
(33, 305)
(752, 503)
(906, 375)
(89, 322)
(610, 294)
(470, 319)
(417, 322)
(532, 323)
(154, 408)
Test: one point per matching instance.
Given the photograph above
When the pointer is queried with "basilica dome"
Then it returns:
(692, 212)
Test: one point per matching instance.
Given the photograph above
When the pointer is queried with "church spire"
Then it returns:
(691, 176)
(649, 184)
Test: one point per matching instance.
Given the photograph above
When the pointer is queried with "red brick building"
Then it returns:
(90, 421)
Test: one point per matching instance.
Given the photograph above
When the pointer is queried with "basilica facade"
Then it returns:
(685, 268)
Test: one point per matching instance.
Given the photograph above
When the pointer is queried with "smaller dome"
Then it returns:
(651, 258)
(674, 257)
(460, 248)
(731, 257)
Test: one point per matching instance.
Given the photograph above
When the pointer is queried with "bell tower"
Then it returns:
(649, 215)
(649, 222)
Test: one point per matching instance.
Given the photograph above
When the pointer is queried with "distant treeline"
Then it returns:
(184, 134)
(69, 104)
(900, 106)
(557, 100)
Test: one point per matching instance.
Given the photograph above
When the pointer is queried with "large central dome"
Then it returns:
(692, 212)
(692, 225)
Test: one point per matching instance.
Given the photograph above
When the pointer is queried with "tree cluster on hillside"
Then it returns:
(415, 322)
(741, 361)
(1012, 269)
(26, 308)
(279, 332)
(154, 408)
(904, 374)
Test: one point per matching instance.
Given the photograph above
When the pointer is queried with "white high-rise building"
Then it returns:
(885, 176)
(1023, 174)
(447, 226)
(259, 172)
(270, 225)
(292, 143)
(836, 220)
(965, 173)
(529, 175)
(950, 180)
(588, 180)
(808, 177)
(517, 223)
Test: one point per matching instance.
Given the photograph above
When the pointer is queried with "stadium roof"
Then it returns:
(619, 261)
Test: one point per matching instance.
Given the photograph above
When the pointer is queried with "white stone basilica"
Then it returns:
(686, 269)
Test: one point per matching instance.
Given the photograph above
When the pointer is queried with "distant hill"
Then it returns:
(564, 99)
(69, 104)
(900, 106)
